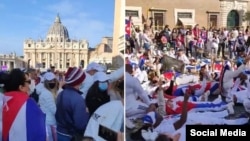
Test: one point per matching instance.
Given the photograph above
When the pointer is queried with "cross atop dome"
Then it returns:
(57, 20)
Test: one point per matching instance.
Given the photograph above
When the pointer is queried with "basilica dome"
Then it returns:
(57, 31)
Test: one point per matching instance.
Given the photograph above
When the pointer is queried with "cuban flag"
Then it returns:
(169, 74)
(128, 27)
(21, 118)
(178, 90)
(217, 67)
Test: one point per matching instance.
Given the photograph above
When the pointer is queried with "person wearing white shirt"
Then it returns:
(138, 36)
(135, 108)
(47, 103)
(182, 57)
(235, 33)
(227, 78)
(40, 86)
(215, 43)
(171, 53)
(109, 115)
(146, 41)
(142, 76)
(92, 68)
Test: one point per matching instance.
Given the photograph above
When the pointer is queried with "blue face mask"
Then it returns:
(103, 86)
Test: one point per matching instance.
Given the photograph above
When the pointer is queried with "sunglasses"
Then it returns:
(28, 81)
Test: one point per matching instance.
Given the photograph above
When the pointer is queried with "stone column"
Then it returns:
(77, 59)
(33, 60)
(8, 64)
(85, 57)
(47, 60)
(15, 63)
(224, 13)
(244, 7)
(64, 61)
(40, 57)
(58, 60)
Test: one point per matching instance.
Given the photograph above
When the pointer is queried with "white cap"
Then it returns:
(95, 66)
(49, 76)
(41, 79)
(203, 64)
(100, 76)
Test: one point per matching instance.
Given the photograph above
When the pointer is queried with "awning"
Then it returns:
(187, 21)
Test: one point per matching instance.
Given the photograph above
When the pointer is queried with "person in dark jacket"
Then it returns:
(71, 114)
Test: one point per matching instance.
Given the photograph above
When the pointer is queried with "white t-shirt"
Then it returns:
(184, 58)
(109, 115)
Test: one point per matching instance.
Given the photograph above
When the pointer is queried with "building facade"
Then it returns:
(11, 61)
(118, 34)
(206, 13)
(57, 49)
(103, 52)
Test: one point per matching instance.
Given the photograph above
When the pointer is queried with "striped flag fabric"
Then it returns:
(179, 90)
(128, 25)
(212, 86)
(21, 118)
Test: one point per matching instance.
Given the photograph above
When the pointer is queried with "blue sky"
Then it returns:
(84, 19)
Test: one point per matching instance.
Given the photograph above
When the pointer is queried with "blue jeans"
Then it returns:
(61, 137)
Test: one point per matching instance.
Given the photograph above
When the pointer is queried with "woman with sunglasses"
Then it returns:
(21, 119)
(47, 103)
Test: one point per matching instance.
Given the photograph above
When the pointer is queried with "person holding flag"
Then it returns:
(22, 119)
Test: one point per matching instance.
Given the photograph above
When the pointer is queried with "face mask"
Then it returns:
(52, 85)
(103, 86)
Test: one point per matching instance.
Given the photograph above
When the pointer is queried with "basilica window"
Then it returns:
(184, 15)
(213, 19)
(29, 45)
(67, 65)
(44, 65)
(60, 66)
(159, 18)
(132, 13)
(107, 48)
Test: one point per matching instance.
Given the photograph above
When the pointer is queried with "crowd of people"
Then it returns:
(45, 106)
(214, 79)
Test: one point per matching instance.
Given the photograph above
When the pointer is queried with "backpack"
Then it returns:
(35, 96)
